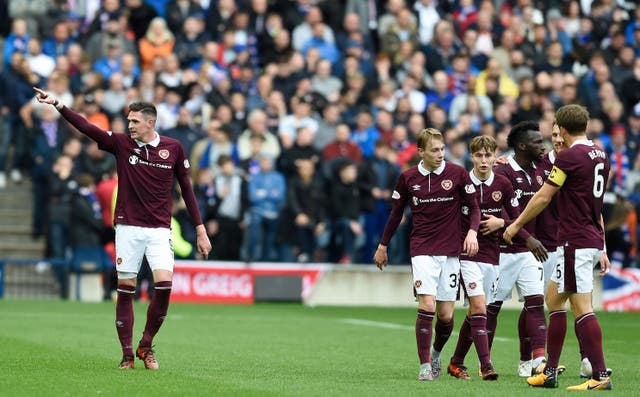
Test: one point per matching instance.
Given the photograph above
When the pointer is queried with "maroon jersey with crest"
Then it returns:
(495, 197)
(547, 220)
(145, 175)
(582, 171)
(525, 184)
(435, 199)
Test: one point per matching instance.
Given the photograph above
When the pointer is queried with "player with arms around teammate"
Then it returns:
(494, 192)
(579, 176)
(435, 190)
(147, 164)
(521, 263)
(547, 232)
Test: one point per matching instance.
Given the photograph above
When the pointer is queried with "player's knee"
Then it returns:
(127, 278)
(477, 305)
(534, 302)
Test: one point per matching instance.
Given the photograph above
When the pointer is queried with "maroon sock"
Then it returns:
(525, 341)
(124, 318)
(443, 332)
(493, 309)
(536, 324)
(480, 340)
(156, 312)
(583, 355)
(588, 329)
(555, 337)
(465, 340)
(424, 323)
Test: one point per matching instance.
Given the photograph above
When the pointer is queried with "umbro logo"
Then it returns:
(137, 151)
(415, 187)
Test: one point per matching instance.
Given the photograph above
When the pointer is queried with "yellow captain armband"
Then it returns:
(557, 176)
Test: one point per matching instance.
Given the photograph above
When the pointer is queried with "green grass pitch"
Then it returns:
(53, 348)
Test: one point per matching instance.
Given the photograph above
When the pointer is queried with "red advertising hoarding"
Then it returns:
(231, 282)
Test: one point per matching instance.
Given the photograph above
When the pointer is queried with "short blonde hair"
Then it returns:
(426, 136)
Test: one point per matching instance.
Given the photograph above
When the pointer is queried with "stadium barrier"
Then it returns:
(45, 278)
(245, 283)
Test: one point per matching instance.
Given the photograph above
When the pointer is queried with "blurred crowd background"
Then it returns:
(298, 115)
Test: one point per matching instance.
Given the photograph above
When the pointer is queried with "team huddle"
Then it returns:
(532, 222)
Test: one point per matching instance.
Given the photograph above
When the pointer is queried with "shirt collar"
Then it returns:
(552, 156)
(582, 142)
(155, 142)
(426, 172)
(516, 166)
(477, 181)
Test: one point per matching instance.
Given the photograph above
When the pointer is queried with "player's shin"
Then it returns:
(555, 338)
(124, 318)
(424, 324)
(536, 326)
(156, 312)
(493, 309)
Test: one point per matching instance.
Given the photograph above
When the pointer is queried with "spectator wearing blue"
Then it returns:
(267, 196)
(111, 63)
(16, 41)
(326, 50)
(161, 6)
(365, 133)
(440, 93)
(303, 32)
(218, 142)
(377, 178)
(264, 87)
(59, 42)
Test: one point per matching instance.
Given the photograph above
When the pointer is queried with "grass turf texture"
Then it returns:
(54, 348)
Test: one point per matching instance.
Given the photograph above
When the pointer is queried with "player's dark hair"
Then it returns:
(483, 142)
(146, 108)
(518, 133)
(573, 118)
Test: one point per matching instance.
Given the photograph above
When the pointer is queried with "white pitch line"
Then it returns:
(382, 324)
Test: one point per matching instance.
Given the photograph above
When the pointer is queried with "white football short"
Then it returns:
(520, 270)
(133, 242)
(550, 266)
(437, 276)
(478, 278)
(574, 272)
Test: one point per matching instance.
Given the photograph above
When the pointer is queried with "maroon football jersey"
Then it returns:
(525, 184)
(582, 171)
(145, 175)
(547, 220)
(435, 199)
(494, 195)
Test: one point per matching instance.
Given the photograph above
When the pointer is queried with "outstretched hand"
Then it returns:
(43, 97)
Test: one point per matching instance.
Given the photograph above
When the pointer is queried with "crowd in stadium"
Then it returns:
(298, 115)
